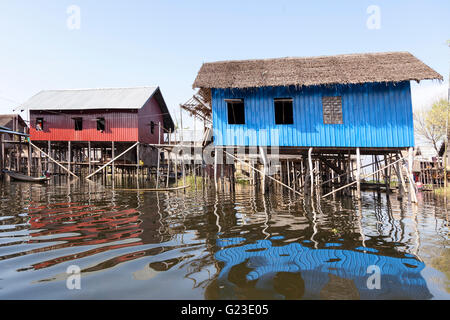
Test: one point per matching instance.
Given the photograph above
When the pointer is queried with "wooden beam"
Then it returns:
(261, 172)
(114, 159)
(365, 176)
(46, 155)
(331, 165)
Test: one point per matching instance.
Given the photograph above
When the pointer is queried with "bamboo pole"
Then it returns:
(3, 151)
(365, 176)
(261, 172)
(45, 154)
(311, 174)
(159, 155)
(109, 162)
(30, 159)
(216, 157)
(113, 167)
(358, 174)
(49, 148)
(89, 157)
(410, 175)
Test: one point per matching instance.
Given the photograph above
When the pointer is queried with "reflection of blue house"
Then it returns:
(400, 277)
(358, 100)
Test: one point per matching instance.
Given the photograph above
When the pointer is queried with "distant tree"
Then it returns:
(431, 124)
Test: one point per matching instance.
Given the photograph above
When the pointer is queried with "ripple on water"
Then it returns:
(200, 244)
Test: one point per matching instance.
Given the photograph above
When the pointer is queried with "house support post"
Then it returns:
(358, 174)
(138, 160)
(216, 158)
(412, 188)
(311, 171)
(265, 170)
(30, 159)
(69, 155)
(3, 151)
(109, 162)
(89, 158)
(49, 152)
(113, 167)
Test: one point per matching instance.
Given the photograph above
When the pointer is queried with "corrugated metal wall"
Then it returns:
(374, 115)
(121, 125)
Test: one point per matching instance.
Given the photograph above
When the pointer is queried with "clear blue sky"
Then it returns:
(136, 43)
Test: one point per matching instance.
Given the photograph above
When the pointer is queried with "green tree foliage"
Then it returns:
(431, 124)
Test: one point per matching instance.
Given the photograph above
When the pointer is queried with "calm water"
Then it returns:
(203, 245)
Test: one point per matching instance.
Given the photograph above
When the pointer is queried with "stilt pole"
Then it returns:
(49, 150)
(51, 159)
(311, 171)
(216, 157)
(109, 162)
(89, 157)
(412, 188)
(30, 159)
(358, 174)
(69, 155)
(113, 167)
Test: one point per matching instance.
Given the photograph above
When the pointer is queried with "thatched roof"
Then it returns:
(343, 69)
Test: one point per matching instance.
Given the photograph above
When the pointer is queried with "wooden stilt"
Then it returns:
(30, 159)
(109, 162)
(358, 174)
(39, 161)
(288, 169)
(265, 169)
(69, 155)
(159, 155)
(311, 171)
(216, 157)
(387, 176)
(168, 169)
(49, 152)
(401, 181)
(89, 158)
(3, 163)
(53, 160)
(138, 160)
(368, 175)
(113, 167)
(412, 188)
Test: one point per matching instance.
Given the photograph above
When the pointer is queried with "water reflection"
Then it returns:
(201, 244)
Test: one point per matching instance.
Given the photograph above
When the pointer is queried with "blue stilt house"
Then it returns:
(343, 101)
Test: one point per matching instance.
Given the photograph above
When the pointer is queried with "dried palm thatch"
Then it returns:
(340, 69)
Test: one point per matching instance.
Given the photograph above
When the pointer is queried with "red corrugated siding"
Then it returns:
(151, 111)
(121, 125)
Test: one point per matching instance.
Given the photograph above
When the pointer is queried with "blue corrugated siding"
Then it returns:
(375, 115)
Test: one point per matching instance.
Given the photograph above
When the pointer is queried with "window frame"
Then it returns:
(41, 121)
(232, 102)
(152, 127)
(75, 120)
(333, 115)
(104, 124)
(283, 100)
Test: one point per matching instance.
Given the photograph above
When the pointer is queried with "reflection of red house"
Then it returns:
(98, 117)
